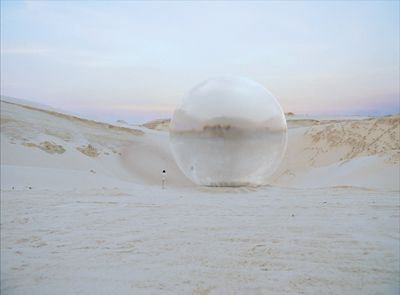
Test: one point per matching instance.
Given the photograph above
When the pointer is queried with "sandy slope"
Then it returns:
(324, 152)
(360, 152)
(82, 212)
(364, 153)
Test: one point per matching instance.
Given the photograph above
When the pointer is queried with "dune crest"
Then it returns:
(367, 149)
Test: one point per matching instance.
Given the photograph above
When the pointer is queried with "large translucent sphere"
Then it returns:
(228, 131)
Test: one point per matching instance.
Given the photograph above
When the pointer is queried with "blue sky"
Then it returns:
(135, 60)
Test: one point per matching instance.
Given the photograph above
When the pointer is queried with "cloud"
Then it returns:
(26, 51)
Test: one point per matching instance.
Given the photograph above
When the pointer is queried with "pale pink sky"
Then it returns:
(135, 60)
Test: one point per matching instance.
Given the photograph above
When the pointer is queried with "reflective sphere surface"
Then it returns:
(228, 131)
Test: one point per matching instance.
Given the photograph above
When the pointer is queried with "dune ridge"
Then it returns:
(137, 153)
(73, 118)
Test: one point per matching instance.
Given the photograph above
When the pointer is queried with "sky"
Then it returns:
(135, 60)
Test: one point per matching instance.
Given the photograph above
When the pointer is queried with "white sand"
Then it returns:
(82, 212)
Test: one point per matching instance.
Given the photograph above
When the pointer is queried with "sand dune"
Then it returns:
(371, 144)
(33, 136)
(160, 124)
(371, 147)
(82, 211)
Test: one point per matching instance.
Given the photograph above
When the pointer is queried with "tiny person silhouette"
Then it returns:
(163, 179)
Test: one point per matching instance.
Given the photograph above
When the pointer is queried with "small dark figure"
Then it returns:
(163, 179)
